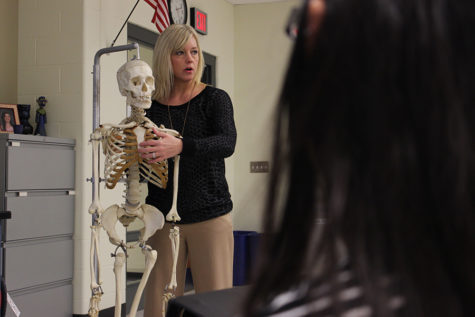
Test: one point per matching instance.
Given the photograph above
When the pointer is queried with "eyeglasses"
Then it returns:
(292, 27)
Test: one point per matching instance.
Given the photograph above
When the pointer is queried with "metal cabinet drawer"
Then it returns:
(34, 166)
(36, 262)
(40, 214)
(51, 302)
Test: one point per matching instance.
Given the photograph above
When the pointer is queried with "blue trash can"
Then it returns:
(253, 242)
(245, 247)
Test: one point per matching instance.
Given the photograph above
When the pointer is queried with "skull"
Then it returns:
(136, 81)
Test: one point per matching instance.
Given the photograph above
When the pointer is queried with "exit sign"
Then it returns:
(199, 20)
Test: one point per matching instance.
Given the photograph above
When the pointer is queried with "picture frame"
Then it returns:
(8, 118)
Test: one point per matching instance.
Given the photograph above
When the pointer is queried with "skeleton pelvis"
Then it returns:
(152, 218)
(126, 220)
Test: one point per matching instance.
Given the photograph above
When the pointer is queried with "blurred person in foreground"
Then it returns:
(370, 210)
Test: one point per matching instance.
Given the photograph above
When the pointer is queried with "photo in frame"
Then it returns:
(8, 118)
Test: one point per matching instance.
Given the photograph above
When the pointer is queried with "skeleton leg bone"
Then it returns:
(174, 237)
(168, 292)
(153, 221)
(150, 259)
(175, 241)
(118, 266)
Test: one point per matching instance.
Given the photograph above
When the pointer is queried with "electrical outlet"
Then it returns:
(259, 167)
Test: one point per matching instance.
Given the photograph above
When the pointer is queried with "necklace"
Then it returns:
(184, 121)
(186, 115)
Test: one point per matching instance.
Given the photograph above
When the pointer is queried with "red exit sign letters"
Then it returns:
(199, 20)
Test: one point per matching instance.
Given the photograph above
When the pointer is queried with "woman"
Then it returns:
(204, 117)
(6, 122)
(371, 203)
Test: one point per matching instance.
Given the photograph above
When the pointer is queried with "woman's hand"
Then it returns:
(158, 150)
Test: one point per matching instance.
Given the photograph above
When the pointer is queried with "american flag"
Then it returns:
(160, 18)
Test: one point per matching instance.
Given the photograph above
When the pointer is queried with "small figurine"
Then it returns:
(41, 116)
(24, 113)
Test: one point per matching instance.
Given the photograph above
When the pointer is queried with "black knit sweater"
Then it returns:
(209, 136)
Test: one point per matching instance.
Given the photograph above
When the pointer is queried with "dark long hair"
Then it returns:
(375, 131)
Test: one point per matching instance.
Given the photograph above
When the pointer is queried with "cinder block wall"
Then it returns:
(8, 53)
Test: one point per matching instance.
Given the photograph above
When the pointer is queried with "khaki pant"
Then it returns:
(208, 245)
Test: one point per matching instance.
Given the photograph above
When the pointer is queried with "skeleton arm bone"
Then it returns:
(121, 125)
(96, 282)
(173, 213)
(150, 125)
(95, 207)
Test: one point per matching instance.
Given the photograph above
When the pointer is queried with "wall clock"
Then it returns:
(177, 11)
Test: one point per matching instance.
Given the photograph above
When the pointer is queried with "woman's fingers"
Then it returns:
(158, 150)
(161, 134)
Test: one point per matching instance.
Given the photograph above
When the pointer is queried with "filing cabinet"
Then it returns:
(37, 178)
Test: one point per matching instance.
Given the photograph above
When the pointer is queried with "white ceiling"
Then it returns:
(251, 1)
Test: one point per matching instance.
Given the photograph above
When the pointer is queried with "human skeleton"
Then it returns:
(122, 160)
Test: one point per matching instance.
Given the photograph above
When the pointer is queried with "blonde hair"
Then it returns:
(172, 39)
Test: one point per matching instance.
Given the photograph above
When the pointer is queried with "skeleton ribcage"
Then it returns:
(120, 150)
